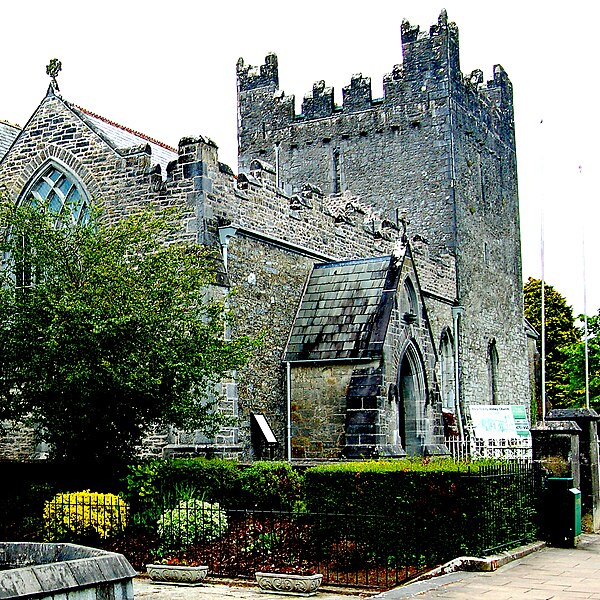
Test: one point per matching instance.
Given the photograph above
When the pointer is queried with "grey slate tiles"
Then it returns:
(338, 310)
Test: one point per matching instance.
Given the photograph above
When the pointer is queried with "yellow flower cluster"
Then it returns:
(84, 512)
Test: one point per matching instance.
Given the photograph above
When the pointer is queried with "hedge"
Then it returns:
(265, 485)
(434, 509)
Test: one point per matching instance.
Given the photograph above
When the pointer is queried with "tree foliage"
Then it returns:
(575, 365)
(106, 329)
(561, 332)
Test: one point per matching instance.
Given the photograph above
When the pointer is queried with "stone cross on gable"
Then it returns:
(52, 70)
(403, 222)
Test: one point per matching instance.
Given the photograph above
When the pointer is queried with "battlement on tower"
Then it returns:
(434, 131)
(266, 75)
(430, 70)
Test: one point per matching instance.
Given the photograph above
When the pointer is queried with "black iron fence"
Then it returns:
(481, 512)
(348, 549)
(503, 506)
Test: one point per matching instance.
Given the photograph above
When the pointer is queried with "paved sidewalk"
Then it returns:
(147, 590)
(550, 574)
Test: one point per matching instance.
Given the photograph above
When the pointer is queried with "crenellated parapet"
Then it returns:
(338, 226)
(425, 51)
(267, 75)
(430, 71)
(358, 95)
(318, 103)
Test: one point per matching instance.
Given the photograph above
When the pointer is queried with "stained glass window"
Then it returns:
(61, 194)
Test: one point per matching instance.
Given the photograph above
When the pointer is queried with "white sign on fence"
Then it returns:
(499, 421)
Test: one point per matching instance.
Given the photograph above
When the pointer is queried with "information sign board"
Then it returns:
(499, 421)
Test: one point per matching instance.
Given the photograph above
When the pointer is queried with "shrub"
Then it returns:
(156, 484)
(192, 521)
(271, 485)
(159, 482)
(84, 513)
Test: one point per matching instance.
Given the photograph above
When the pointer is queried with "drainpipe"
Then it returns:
(289, 410)
(277, 174)
(225, 234)
(457, 312)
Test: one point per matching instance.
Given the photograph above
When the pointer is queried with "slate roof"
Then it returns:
(8, 134)
(122, 137)
(338, 310)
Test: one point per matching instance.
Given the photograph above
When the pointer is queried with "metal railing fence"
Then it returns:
(499, 449)
(508, 500)
(479, 513)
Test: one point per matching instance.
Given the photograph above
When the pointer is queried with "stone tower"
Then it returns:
(439, 147)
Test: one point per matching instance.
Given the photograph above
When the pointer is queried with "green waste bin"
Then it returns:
(577, 503)
(563, 512)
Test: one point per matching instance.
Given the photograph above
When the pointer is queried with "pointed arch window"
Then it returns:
(61, 193)
(493, 367)
(409, 306)
(58, 191)
(447, 383)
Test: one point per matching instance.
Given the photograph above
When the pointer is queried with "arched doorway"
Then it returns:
(411, 401)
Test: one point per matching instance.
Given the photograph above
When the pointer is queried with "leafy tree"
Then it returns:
(106, 330)
(561, 332)
(575, 365)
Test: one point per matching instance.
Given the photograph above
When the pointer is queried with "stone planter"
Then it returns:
(177, 574)
(291, 585)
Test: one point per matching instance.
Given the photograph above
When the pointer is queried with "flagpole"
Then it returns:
(543, 308)
(585, 318)
(543, 322)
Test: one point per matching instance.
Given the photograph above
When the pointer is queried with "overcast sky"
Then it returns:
(167, 69)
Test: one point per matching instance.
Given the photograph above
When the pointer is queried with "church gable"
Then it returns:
(58, 134)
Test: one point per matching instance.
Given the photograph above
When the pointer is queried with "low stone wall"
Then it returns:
(17, 442)
(65, 571)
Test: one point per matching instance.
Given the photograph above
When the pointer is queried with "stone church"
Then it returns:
(375, 244)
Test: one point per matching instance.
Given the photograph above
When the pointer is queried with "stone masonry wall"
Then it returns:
(489, 262)
(319, 410)
(439, 147)
(279, 238)
(17, 442)
(267, 284)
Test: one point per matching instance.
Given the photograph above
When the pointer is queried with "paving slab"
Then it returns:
(549, 574)
(145, 589)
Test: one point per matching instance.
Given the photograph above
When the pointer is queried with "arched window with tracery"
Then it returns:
(447, 383)
(60, 192)
(55, 189)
